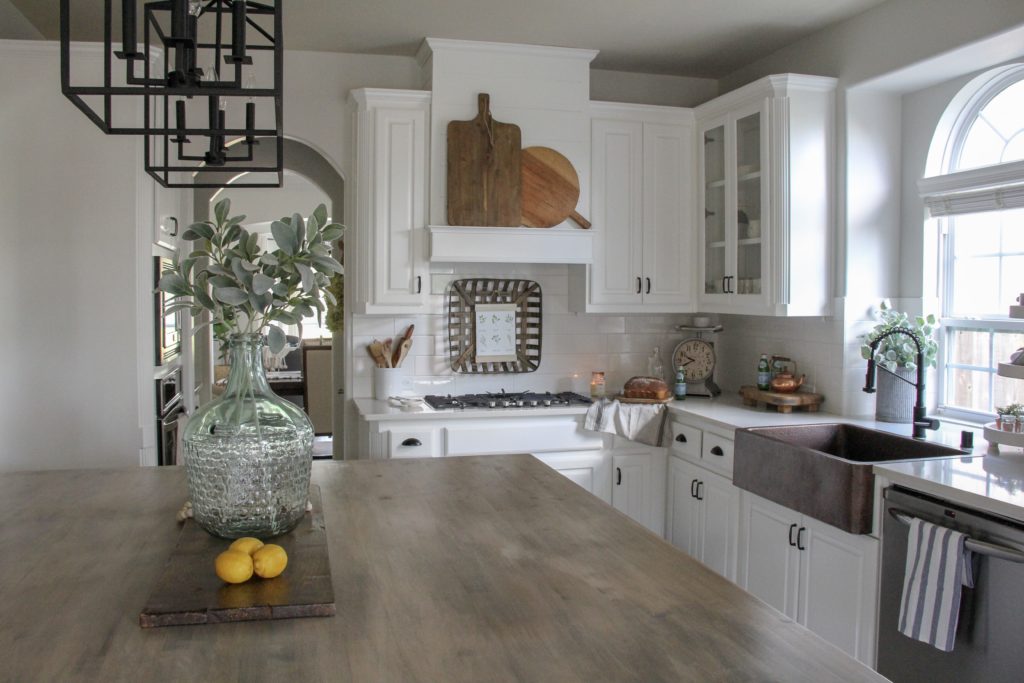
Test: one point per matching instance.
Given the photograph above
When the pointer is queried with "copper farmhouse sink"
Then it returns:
(823, 470)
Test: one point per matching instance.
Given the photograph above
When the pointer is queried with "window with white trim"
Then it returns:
(979, 202)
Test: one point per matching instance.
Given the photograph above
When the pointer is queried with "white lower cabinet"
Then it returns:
(818, 575)
(638, 486)
(589, 469)
(703, 515)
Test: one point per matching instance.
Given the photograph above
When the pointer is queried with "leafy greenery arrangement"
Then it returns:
(1014, 409)
(245, 289)
(898, 351)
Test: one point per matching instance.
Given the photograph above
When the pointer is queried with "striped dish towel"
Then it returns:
(938, 566)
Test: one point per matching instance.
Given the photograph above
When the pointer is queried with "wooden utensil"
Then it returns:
(402, 351)
(387, 352)
(550, 189)
(377, 351)
(483, 170)
(402, 347)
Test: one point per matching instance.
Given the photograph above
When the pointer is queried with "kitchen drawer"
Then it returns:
(716, 454)
(520, 435)
(413, 443)
(684, 439)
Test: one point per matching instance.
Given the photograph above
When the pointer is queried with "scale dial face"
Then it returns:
(697, 357)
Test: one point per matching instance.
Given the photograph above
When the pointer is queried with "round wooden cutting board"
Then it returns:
(550, 188)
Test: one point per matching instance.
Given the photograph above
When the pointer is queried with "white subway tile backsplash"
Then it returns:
(373, 326)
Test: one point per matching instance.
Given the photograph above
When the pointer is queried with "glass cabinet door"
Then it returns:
(714, 211)
(748, 206)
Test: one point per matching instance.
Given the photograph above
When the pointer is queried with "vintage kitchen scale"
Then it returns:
(697, 356)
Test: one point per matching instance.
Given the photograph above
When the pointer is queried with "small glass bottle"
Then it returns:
(764, 373)
(680, 388)
(596, 385)
(655, 368)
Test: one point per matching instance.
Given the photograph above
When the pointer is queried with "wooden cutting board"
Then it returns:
(483, 170)
(550, 189)
(189, 592)
(782, 402)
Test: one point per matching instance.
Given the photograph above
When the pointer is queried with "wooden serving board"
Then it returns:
(783, 403)
(483, 170)
(625, 399)
(189, 592)
(550, 187)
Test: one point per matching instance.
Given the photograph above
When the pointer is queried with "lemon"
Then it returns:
(234, 566)
(269, 561)
(247, 545)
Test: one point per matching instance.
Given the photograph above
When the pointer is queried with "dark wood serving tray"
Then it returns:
(189, 592)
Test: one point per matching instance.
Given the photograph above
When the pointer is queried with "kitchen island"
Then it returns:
(476, 568)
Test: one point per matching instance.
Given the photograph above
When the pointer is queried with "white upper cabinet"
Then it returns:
(765, 167)
(388, 237)
(642, 211)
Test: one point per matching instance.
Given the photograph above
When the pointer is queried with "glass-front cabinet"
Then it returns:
(765, 191)
(733, 232)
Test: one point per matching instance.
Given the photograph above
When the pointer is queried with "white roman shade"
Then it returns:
(992, 188)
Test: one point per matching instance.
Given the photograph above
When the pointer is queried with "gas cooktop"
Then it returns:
(523, 399)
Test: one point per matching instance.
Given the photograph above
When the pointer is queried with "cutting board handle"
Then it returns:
(483, 103)
(583, 222)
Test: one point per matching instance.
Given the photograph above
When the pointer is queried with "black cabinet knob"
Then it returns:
(681, 438)
(717, 450)
(411, 441)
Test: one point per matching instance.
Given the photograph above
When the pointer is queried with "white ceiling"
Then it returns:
(704, 38)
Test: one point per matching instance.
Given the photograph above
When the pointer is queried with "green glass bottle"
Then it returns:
(764, 373)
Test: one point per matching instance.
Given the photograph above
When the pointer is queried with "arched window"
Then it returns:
(977, 195)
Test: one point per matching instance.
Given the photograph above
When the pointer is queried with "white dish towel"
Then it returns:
(938, 565)
(634, 421)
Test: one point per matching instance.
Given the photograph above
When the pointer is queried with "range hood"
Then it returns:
(461, 244)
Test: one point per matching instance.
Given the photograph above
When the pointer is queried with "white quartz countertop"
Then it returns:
(986, 479)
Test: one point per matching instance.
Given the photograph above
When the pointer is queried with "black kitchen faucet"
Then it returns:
(921, 421)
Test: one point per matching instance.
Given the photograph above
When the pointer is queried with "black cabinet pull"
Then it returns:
(648, 284)
(681, 438)
(638, 284)
(717, 450)
(792, 528)
(800, 539)
(725, 290)
(618, 476)
(174, 221)
(419, 284)
(693, 489)
(412, 441)
(700, 490)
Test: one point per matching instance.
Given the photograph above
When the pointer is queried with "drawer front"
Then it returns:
(684, 439)
(413, 443)
(523, 435)
(716, 454)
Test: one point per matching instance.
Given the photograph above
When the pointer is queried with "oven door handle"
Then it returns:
(981, 547)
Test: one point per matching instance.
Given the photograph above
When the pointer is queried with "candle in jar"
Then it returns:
(597, 385)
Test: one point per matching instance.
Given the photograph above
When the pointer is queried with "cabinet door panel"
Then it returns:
(589, 469)
(615, 276)
(630, 476)
(400, 206)
(683, 511)
(838, 582)
(768, 564)
(667, 214)
(719, 521)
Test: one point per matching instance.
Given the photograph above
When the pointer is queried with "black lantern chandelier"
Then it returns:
(203, 86)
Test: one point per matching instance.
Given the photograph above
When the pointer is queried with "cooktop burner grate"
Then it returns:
(522, 399)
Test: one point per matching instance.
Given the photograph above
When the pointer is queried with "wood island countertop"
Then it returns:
(491, 568)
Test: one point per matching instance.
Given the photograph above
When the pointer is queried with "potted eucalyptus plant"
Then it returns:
(248, 452)
(896, 357)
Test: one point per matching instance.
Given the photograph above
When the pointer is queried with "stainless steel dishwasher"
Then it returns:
(990, 636)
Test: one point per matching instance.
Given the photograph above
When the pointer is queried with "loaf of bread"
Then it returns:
(646, 387)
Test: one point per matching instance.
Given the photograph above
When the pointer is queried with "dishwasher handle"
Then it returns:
(981, 547)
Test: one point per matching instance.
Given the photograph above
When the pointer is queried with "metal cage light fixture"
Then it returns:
(203, 86)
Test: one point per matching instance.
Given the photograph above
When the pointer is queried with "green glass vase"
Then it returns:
(248, 453)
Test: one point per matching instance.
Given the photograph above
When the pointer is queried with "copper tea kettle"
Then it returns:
(784, 379)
